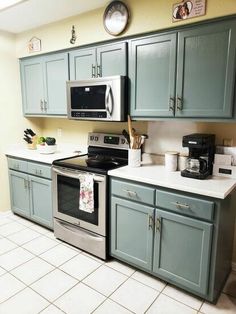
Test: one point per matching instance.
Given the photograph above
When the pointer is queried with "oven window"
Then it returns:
(88, 97)
(68, 194)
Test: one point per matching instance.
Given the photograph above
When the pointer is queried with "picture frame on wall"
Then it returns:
(188, 9)
(34, 45)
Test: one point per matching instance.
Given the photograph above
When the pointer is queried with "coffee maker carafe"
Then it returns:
(201, 155)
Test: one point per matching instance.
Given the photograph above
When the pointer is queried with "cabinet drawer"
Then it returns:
(17, 164)
(39, 170)
(186, 205)
(133, 191)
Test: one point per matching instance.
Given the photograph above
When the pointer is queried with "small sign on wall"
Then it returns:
(34, 45)
(188, 9)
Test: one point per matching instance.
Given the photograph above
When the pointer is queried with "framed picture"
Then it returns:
(34, 45)
(188, 9)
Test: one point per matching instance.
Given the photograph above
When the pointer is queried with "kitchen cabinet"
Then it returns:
(132, 244)
(179, 237)
(190, 73)
(107, 60)
(182, 248)
(31, 191)
(43, 81)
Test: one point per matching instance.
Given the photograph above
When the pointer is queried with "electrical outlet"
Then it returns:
(59, 132)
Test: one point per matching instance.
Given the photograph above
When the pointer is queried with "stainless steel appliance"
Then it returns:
(102, 98)
(86, 230)
(201, 155)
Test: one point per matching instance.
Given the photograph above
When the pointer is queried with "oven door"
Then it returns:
(66, 200)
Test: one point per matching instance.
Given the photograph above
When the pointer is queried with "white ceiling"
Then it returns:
(29, 14)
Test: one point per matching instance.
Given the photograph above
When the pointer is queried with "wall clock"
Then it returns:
(116, 17)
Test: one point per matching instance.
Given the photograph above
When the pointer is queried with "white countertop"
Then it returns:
(218, 187)
(63, 151)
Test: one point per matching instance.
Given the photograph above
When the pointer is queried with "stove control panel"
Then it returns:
(107, 140)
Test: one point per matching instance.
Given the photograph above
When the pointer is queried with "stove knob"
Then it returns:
(96, 138)
(91, 138)
(122, 141)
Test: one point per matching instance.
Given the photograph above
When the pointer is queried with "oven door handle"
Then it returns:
(109, 100)
(71, 174)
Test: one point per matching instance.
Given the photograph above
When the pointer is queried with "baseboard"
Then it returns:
(233, 266)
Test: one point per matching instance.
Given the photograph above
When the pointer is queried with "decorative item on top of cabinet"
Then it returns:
(100, 61)
(73, 35)
(116, 17)
(43, 83)
(191, 75)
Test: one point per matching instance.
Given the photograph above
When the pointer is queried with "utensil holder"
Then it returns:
(33, 145)
(134, 158)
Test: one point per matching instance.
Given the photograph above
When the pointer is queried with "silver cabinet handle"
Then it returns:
(99, 71)
(25, 184)
(158, 225)
(179, 205)
(130, 193)
(17, 166)
(41, 104)
(38, 172)
(45, 105)
(171, 104)
(179, 103)
(150, 222)
(93, 70)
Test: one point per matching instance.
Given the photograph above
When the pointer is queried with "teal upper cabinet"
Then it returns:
(104, 60)
(43, 82)
(152, 75)
(206, 71)
(182, 249)
(194, 78)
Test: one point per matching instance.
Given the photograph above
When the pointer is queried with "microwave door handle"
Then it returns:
(70, 174)
(109, 100)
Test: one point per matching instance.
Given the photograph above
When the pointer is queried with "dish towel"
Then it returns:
(86, 201)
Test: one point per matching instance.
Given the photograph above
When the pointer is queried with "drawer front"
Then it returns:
(133, 192)
(17, 164)
(185, 205)
(39, 170)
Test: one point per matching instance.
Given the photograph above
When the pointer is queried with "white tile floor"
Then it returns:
(39, 274)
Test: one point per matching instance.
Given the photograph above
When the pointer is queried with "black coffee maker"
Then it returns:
(201, 155)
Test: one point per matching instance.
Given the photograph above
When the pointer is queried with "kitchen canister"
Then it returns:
(171, 160)
(182, 161)
(134, 158)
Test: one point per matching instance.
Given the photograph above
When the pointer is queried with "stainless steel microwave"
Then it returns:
(100, 99)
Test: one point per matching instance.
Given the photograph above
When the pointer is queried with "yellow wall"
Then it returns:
(146, 16)
(12, 123)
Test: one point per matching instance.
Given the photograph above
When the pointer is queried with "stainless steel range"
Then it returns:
(80, 193)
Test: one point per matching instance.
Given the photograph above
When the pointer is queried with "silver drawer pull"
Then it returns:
(130, 193)
(179, 205)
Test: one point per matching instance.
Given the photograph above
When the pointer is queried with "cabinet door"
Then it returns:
(112, 60)
(82, 64)
(32, 86)
(56, 74)
(131, 232)
(41, 200)
(152, 75)
(19, 193)
(182, 248)
(206, 71)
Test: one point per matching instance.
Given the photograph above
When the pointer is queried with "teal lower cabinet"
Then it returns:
(182, 249)
(30, 190)
(132, 232)
(20, 198)
(182, 238)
